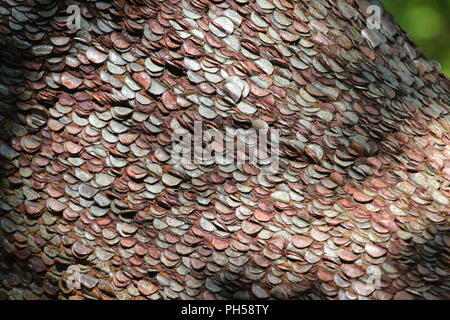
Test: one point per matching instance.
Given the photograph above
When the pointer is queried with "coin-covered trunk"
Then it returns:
(222, 149)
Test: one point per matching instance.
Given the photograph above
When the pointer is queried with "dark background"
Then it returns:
(428, 22)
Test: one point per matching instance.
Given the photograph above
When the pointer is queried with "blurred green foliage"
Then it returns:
(428, 23)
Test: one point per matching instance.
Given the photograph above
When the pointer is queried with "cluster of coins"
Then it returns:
(94, 206)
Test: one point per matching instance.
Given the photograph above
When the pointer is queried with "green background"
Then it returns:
(428, 23)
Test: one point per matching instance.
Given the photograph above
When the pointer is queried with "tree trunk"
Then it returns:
(351, 200)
